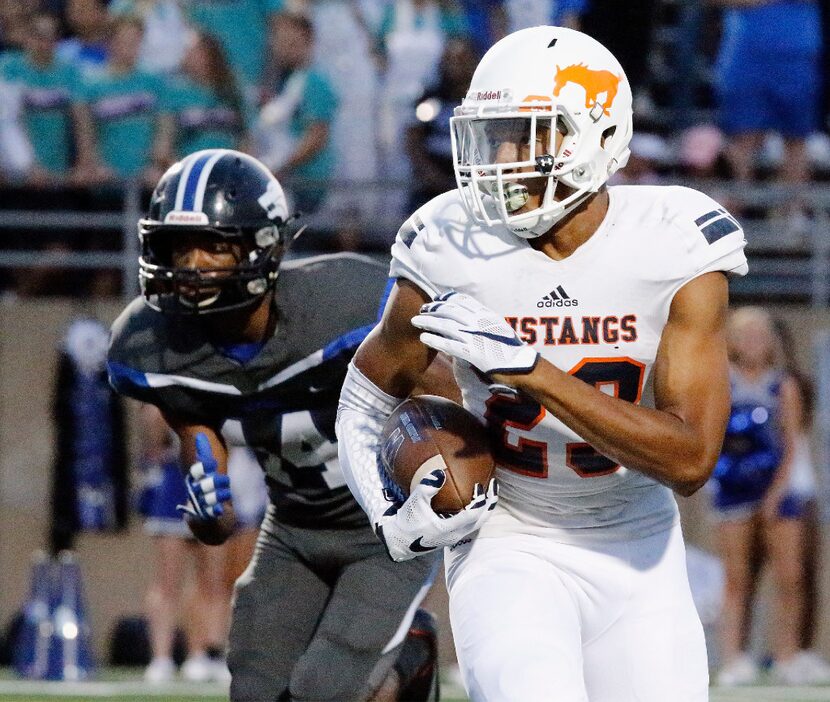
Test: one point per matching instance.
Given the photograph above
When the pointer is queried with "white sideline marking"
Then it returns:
(141, 690)
(136, 688)
(771, 694)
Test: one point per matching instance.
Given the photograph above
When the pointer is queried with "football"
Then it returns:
(428, 432)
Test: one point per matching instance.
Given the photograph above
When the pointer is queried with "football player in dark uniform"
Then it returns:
(224, 333)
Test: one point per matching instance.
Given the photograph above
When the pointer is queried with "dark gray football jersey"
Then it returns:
(285, 397)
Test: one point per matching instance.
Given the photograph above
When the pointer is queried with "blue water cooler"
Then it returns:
(54, 641)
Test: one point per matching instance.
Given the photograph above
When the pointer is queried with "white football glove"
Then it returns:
(412, 528)
(206, 488)
(462, 327)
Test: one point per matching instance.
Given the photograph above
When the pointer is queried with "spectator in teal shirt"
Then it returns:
(123, 111)
(204, 107)
(293, 131)
(49, 90)
(242, 27)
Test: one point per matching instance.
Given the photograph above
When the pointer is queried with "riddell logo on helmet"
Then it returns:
(488, 95)
(595, 84)
(185, 217)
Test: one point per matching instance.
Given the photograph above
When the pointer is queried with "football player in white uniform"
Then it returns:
(586, 326)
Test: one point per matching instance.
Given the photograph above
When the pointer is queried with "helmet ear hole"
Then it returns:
(607, 135)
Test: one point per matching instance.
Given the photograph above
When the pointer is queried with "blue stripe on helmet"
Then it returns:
(193, 181)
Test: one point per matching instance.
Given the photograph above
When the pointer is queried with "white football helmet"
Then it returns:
(532, 83)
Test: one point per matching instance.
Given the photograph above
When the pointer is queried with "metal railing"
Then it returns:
(125, 221)
(784, 265)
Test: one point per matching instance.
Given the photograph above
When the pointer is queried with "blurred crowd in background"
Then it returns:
(348, 102)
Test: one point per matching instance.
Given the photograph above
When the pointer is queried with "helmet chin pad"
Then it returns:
(538, 221)
(534, 226)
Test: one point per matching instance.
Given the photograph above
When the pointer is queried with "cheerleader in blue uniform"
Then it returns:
(753, 502)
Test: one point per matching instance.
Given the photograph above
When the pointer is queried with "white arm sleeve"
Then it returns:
(361, 414)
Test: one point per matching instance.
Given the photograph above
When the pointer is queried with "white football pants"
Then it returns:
(535, 620)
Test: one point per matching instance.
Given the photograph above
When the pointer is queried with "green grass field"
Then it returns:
(127, 686)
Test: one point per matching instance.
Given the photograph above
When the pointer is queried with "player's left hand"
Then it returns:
(412, 528)
(207, 489)
(462, 327)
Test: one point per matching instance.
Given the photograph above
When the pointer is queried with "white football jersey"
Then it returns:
(598, 315)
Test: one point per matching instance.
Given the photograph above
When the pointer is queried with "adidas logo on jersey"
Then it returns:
(557, 298)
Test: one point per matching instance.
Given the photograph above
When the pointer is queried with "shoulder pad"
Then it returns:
(713, 237)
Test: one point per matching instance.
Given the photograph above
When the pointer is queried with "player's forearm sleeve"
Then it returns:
(363, 409)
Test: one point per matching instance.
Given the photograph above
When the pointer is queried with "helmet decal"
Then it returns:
(273, 200)
(191, 192)
(594, 82)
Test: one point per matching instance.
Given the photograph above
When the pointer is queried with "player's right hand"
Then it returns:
(207, 489)
(462, 327)
(412, 528)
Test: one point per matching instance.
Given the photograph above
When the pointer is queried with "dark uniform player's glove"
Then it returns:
(206, 488)
(462, 327)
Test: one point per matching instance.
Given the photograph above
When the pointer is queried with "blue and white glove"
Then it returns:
(206, 488)
(463, 328)
(412, 528)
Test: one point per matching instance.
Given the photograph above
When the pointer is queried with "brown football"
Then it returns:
(428, 432)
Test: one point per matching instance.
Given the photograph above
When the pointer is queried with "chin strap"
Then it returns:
(516, 195)
(542, 224)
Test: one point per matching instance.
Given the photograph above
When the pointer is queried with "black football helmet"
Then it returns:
(224, 194)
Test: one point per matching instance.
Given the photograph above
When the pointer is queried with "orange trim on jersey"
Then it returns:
(592, 323)
(590, 451)
(628, 332)
(523, 442)
(527, 326)
(615, 359)
(599, 385)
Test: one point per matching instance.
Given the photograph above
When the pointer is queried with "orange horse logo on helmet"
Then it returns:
(594, 82)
